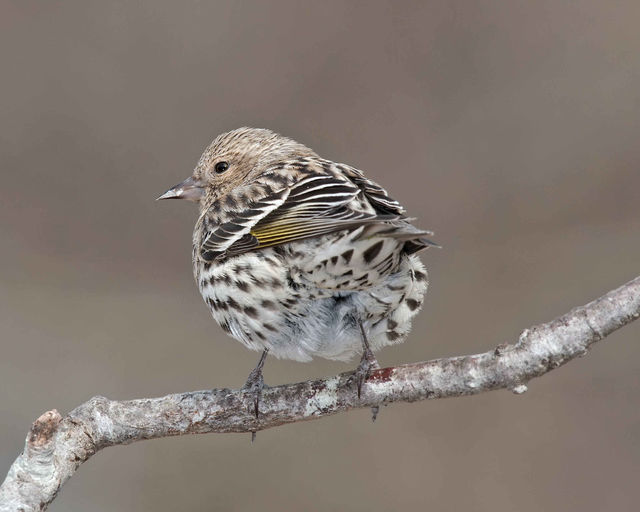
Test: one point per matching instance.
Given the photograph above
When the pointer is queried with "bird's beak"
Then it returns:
(190, 189)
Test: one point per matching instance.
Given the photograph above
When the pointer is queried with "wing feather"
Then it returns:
(376, 195)
(316, 205)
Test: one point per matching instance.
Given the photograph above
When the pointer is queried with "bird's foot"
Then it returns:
(368, 362)
(255, 383)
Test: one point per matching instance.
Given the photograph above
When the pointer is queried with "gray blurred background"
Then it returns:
(509, 128)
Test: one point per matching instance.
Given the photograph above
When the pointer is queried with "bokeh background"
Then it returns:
(510, 128)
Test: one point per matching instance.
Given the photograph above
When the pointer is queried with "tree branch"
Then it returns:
(56, 446)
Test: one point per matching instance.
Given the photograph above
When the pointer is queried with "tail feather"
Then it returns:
(401, 230)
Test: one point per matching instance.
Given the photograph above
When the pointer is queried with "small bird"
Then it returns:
(298, 256)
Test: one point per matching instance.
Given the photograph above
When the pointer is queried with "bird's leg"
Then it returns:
(255, 382)
(368, 361)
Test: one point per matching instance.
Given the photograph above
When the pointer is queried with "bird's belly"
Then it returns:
(262, 302)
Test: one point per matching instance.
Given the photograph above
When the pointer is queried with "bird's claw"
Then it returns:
(368, 363)
(255, 383)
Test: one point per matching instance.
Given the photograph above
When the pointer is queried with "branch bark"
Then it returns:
(56, 445)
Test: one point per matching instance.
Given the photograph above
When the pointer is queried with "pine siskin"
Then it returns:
(299, 256)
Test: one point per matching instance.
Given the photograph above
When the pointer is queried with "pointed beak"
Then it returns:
(189, 189)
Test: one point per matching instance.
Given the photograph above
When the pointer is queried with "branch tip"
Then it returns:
(43, 429)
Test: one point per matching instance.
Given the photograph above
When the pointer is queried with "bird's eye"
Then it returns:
(220, 167)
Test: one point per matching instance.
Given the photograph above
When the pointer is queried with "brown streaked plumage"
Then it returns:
(300, 256)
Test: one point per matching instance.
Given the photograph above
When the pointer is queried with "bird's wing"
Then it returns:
(315, 205)
(385, 205)
(374, 193)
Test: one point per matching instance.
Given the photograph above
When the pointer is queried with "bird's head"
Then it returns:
(233, 159)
